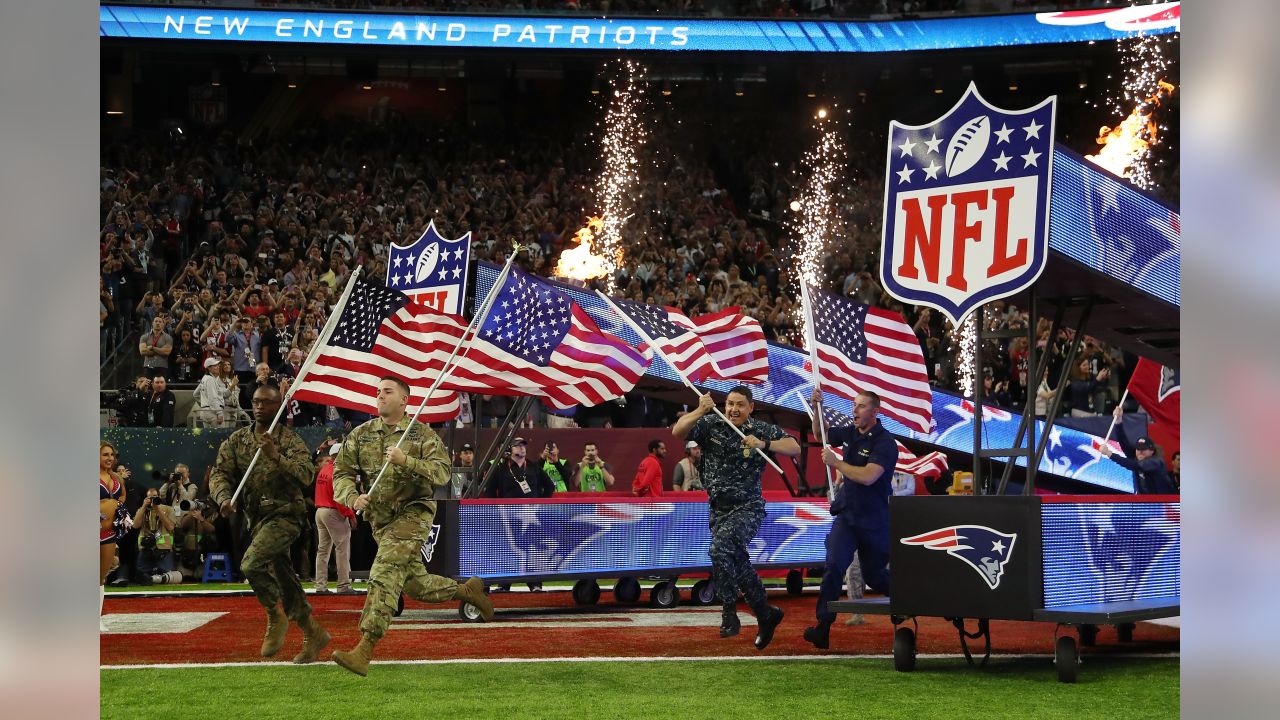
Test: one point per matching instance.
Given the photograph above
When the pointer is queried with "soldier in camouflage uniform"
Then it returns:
(731, 470)
(400, 510)
(275, 509)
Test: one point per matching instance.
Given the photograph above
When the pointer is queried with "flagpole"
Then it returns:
(810, 336)
(1112, 427)
(830, 481)
(325, 333)
(645, 336)
(464, 339)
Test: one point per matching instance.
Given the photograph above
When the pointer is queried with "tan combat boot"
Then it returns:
(277, 627)
(314, 639)
(472, 591)
(357, 658)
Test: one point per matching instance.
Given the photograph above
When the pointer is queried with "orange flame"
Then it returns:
(1124, 145)
(579, 262)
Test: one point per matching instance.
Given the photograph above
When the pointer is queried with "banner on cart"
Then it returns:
(976, 557)
(619, 538)
(1107, 552)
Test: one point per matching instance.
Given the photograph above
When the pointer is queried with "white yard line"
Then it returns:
(732, 658)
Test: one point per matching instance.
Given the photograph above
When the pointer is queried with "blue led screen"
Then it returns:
(1105, 224)
(1105, 552)
(612, 34)
(618, 538)
(1070, 453)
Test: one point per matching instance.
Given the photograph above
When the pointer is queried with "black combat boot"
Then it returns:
(768, 617)
(729, 624)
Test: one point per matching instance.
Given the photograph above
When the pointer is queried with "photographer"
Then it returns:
(154, 521)
(132, 403)
(194, 536)
(178, 488)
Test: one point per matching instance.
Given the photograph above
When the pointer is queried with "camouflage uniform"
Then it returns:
(400, 510)
(737, 503)
(274, 507)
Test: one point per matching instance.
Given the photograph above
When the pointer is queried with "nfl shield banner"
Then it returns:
(966, 207)
(432, 271)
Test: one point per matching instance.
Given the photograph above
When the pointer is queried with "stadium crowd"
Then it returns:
(221, 259)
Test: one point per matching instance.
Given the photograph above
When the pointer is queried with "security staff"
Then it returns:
(861, 505)
(401, 510)
(731, 470)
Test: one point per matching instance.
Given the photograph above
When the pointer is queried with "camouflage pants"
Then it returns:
(731, 532)
(398, 566)
(267, 567)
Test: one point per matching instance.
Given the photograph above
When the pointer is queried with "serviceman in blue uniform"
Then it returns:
(1142, 458)
(861, 506)
(731, 470)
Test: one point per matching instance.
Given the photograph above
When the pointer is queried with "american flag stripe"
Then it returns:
(934, 463)
(355, 391)
(589, 371)
(865, 348)
(735, 343)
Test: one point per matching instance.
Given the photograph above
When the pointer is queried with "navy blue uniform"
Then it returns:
(737, 503)
(861, 513)
(1150, 476)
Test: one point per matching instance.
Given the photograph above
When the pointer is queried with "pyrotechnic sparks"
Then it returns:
(1126, 148)
(623, 134)
(825, 164)
(967, 336)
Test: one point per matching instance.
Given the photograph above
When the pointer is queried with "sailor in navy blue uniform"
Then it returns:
(731, 470)
(861, 505)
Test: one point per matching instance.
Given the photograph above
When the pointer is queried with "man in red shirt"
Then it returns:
(648, 480)
(334, 522)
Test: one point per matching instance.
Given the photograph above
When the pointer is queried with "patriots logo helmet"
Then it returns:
(981, 548)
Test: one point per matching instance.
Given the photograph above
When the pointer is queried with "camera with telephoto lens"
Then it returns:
(189, 505)
(147, 541)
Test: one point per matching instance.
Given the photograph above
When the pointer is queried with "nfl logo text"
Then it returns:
(966, 216)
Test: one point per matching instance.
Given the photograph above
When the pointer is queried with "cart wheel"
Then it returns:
(400, 605)
(586, 592)
(795, 582)
(626, 590)
(469, 612)
(1088, 635)
(1124, 632)
(704, 592)
(904, 650)
(1067, 658)
(664, 595)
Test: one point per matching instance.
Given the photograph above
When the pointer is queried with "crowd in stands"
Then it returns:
(221, 259)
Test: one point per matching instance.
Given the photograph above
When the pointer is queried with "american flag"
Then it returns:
(866, 348)
(534, 342)
(735, 342)
(675, 336)
(348, 368)
(930, 464)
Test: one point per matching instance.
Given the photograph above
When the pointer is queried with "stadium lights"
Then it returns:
(738, 88)
(937, 91)
(366, 87)
(115, 112)
(1013, 88)
(666, 88)
(215, 78)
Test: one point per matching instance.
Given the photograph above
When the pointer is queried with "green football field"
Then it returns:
(1010, 687)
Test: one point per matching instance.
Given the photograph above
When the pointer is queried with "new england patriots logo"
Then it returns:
(982, 548)
(1170, 382)
(429, 547)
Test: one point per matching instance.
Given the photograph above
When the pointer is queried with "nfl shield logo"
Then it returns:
(966, 205)
(432, 271)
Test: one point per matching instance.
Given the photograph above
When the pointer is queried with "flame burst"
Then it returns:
(623, 135)
(581, 262)
(825, 164)
(1125, 146)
